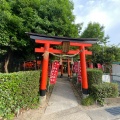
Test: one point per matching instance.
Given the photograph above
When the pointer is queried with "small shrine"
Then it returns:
(65, 43)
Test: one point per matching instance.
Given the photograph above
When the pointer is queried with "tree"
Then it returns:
(51, 17)
(10, 28)
(111, 54)
(95, 30)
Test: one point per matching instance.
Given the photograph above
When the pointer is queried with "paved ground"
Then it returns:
(62, 98)
(63, 105)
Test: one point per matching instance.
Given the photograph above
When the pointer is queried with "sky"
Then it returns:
(105, 12)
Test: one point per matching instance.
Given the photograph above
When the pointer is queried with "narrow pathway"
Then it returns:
(62, 97)
(63, 104)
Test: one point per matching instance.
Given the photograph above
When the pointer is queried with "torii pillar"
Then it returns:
(43, 81)
(83, 71)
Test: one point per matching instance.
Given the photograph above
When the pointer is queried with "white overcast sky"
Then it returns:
(105, 12)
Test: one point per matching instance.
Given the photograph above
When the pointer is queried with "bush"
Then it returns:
(87, 101)
(74, 79)
(94, 77)
(18, 90)
(104, 90)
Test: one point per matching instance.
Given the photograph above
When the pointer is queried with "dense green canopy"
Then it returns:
(51, 17)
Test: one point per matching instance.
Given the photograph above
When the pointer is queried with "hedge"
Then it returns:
(89, 100)
(104, 90)
(18, 91)
(94, 76)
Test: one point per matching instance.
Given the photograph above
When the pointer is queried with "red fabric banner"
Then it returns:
(75, 67)
(99, 66)
(77, 70)
(54, 72)
(91, 65)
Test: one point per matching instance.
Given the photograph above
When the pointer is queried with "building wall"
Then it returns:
(116, 72)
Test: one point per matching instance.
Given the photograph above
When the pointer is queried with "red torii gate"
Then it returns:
(54, 40)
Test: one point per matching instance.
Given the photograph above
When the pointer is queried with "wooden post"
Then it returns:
(68, 68)
(24, 65)
(44, 76)
(83, 70)
(62, 70)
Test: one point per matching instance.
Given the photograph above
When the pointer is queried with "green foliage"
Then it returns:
(51, 88)
(94, 77)
(11, 27)
(111, 54)
(105, 54)
(95, 30)
(17, 91)
(101, 53)
(87, 101)
(104, 90)
(74, 79)
(50, 17)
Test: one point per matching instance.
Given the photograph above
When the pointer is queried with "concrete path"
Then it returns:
(108, 113)
(63, 105)
(62, 97)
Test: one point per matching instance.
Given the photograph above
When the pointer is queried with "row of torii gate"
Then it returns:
(65, 42)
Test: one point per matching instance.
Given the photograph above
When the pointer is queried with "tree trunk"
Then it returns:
(7, 59)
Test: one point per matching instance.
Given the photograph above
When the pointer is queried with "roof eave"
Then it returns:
(36, 36)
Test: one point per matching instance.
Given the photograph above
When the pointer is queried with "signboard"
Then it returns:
(75, 67)
(77, 70)
(54, 72)
(65, 46)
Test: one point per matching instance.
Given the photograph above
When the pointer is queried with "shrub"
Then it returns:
(104, 90)
(94, 76)
(74, 79)
(87, 101)
(18, 90)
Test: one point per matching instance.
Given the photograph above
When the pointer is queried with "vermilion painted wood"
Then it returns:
(80, 44)
(49, 41)
(83, 68)
(44, 76)
(60, 51)
(82, 53)
(88, 52)
(53, 42)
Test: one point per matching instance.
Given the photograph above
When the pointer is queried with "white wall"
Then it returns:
(116, 72)
(115, 69)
